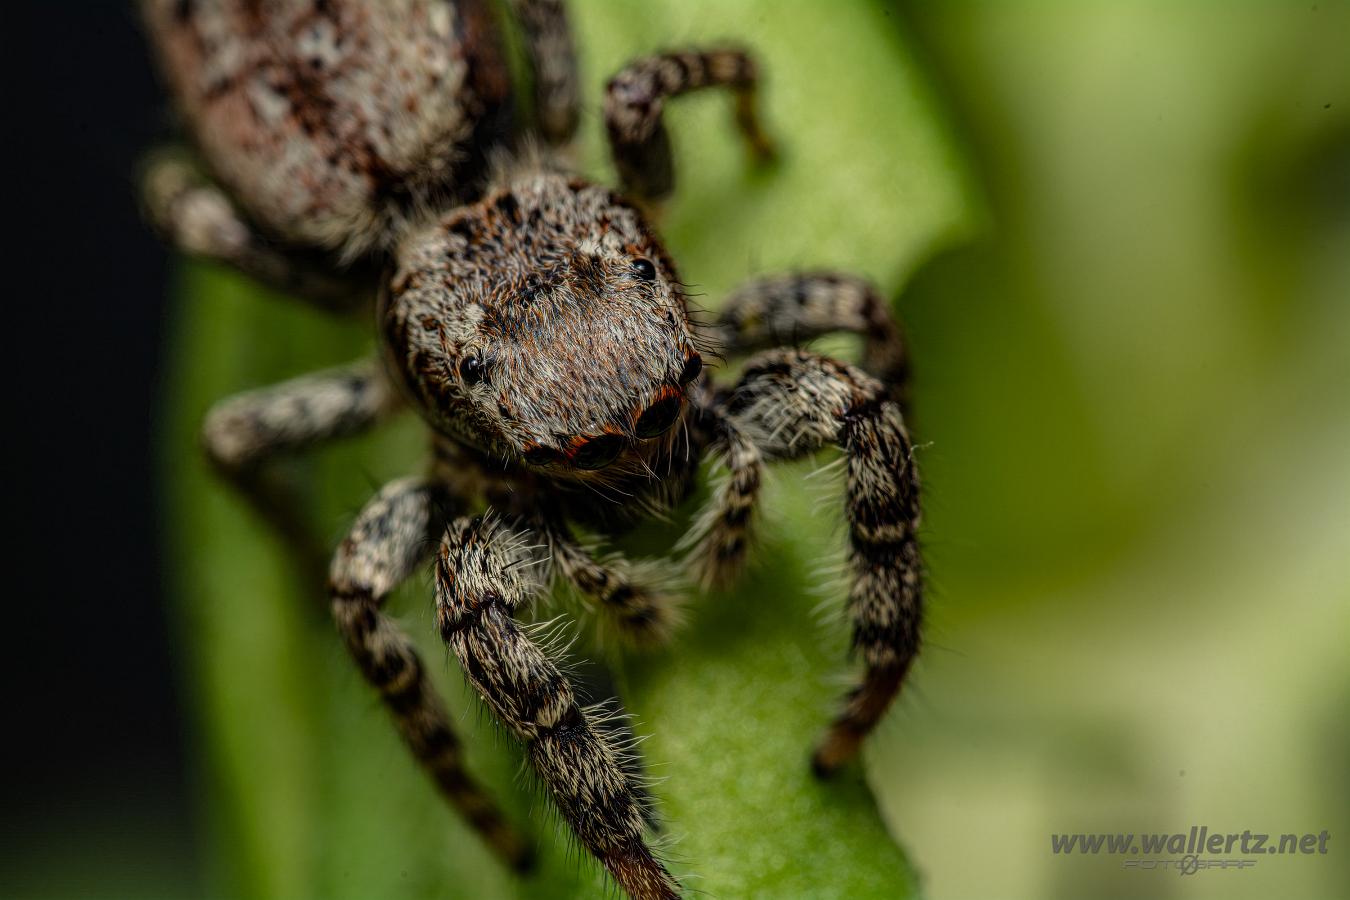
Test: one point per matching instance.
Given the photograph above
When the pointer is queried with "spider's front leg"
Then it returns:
(483, 578)
(790, 403)
(390, 538)
(635, 97)
(787, 309)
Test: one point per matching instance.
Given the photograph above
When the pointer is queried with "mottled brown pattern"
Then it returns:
(331, 122)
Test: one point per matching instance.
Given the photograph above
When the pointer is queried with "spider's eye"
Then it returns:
(659, 417)
(540, 455)
(598, 452)
(692, 367)
(472, 370)
(644, 269)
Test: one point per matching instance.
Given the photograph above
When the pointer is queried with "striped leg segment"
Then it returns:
(483, 579)
(391, 537)
(243, 433)
(792, 403)
(553, 57)
(635, 97)
(788, 309)
(635, 596)
(247, 429)
(721, 534)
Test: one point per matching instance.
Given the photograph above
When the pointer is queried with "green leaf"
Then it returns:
(309, 791)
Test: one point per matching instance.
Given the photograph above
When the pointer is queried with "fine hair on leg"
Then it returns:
(484, 578)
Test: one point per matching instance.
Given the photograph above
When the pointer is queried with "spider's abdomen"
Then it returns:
(332, 120)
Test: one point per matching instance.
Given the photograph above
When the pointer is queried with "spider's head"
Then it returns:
(545, 325)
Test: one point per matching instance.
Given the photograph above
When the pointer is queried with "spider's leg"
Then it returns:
(721, 535)
(553, 57)
(788, 309)
(197, 218)
(390, 538)
(792, 403)
(630, 594)
(483, 578)
(243, 433)
(635, 97)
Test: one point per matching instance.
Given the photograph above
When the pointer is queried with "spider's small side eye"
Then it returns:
(644, 269)
(472, 369)
(539, 455)
(692, 367)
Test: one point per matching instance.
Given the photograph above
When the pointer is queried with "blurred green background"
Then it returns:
(1118, 234)
(1136, 387)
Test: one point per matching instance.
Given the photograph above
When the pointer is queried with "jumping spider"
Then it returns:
(537, 325)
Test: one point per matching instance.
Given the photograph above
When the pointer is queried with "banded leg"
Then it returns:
(552, 54)
(243, 433)
(787, 309)
(792, 403)
(390, 538)
(483, 578)
(635, 596)
(197, 218)
(721, 535)
(635, 97)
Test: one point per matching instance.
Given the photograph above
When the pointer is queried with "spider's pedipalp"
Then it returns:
(721, 536)
(792, 403)
(640, 598)
(388, 540)
(478, 596)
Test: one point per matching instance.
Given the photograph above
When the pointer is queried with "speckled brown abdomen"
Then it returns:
(331, 121)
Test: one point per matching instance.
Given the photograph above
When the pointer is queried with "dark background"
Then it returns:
(99, 729)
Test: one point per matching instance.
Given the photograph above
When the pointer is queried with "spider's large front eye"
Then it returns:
(644, 269)
(598, 452)
(658, 418)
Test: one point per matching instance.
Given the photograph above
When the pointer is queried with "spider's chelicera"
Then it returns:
(535, 322)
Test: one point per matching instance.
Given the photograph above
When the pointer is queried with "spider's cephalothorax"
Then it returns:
(544, 324)
(537, 325)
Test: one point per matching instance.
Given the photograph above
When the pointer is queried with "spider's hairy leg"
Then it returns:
(792, 403)
(634, 99)
(721, 535)
(552, 56)
(483, 579)
(245, 432)
(198, 219)
(636, 597)
(390, 538)
(786, 309)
